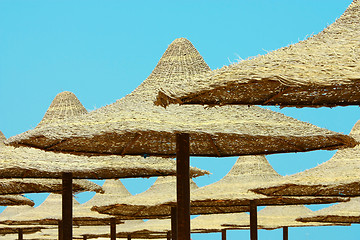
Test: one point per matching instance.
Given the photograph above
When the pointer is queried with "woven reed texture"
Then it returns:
(234, 189)
(276, 217)
(151, 203)
(13, 200)
(64, 105)
(24, 162)
(213, 223)
(134, 126)
(322, 70)
(348, 212)
(49, 213)
(339, 176)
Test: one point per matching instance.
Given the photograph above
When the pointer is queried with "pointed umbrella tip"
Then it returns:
(64, 105)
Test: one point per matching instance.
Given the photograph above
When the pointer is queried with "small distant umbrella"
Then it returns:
(339, 176)
(348, 212)
(322, 70)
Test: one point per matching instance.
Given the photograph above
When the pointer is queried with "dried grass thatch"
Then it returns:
(150, 204)
(134, 126)
(339, 176)
(213, 223)
(24, 162)
(49, 213)
(348, 212)
(234, 189)
(275, 217)
(322, 70)
(13, 200)
(64, 105)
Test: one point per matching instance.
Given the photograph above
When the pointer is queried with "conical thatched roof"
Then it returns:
(134, 126)
(2, 138)
(348, 212)
(320, 71)
(150, 204)
(339, 176)
(213, 223)
(49, 213)
(274, 217)
(234, 188)
(64, 105)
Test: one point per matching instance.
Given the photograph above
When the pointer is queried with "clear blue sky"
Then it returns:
(102, 50)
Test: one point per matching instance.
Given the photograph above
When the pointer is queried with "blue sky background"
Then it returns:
(102, 50)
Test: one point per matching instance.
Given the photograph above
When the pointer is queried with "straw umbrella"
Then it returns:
(28, 162)
(339, 176)
(134, 126)
(319, 71)
(10, 200)
(234, 189)
(339, 213)
(275, 217)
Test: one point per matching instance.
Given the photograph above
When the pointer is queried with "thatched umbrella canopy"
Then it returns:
(339, 176)
(150, 204)
(322, 70)
(348, 212)
(213, 223)
(49, 213)
(134, 126)
(11, 200)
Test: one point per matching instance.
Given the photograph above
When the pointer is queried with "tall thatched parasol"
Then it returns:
(339, 176)
(134, 126)
(322, 70)
(339, 213)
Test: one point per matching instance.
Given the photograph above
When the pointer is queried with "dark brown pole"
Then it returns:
(129, 237)
(112, 229)
(285, 233)
(253, 221)
(223, 234)
(60, 230)
(183, 185)
(168, 235)
(173, 223)
(67, 206)
(20, 234)
(84, 237)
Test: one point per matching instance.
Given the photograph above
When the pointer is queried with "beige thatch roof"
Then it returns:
(339, 176)
(134, 126)
(348, 212)
(30, 162)
(322, 70)
(11, 200)
(49, 213)
(64, 105)
(213, 223)
(274, 217)
(234, 188)
(150, 204)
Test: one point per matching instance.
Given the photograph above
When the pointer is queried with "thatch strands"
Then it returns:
(339, 176)
(134, 126)
(12, 200)
(274, 217)
(49, 213)
(64, 105)
(214, 223)
(348, 212)
(29, 162)
(234, 188)
(322, 70)
(150, 204)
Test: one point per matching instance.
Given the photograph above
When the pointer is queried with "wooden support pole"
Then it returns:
(113, 229)
(20, 234)
(168, 235)
(173, 223)
(67, 206)
(60, 230)
(129, 237)
(223, 234)
(85, 237)
(253, 221)
(183, 185)
(285, 233)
